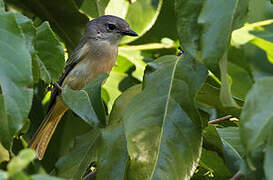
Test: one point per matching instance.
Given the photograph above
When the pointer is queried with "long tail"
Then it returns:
(43, 135)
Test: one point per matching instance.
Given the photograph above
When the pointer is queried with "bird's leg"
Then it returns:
(58, 87)
(181, 52)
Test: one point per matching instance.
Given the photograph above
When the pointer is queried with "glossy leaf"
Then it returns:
(217, 19)
(74, 164)
(29, 32)
(15, 79)
(83, 102)
(233, 150)
(256, 117)
(156, 142)
(188, 29)
(62, 15)
(213, 162)
(50, 52)
(107, 148)
(18, 163)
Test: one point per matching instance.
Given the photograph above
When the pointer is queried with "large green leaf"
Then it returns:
(50, 52)
(85, 101)
(188, 29)
(29, 33)
(217, 19)
(233, 150)
(256, 118)
(213, 162)
(63, 15)
(105, 146)
(146, 10)
(162, 124)
(74, 164)
(15, 78)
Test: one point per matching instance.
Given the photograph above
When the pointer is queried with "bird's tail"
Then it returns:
(43, 135)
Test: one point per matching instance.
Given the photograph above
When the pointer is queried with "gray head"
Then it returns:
(108, 28)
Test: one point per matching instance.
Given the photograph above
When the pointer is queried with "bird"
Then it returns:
(95, 54)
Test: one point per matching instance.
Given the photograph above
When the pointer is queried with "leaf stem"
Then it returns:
(215, 121)
(237, 176)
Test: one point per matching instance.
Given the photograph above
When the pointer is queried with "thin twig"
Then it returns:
(89, 175)
(58, 86)
(237, 176)
(215, 121)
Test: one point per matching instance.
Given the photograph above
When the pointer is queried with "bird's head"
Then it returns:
(108, 28)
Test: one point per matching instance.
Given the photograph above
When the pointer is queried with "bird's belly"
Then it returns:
(85, 71)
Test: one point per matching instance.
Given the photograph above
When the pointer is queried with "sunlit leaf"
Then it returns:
(21, 161)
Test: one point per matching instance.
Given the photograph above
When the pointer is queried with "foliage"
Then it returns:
(153, 116)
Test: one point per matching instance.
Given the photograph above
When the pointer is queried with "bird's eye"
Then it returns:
(111, 26)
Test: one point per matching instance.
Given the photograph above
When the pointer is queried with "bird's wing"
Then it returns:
(76, 56)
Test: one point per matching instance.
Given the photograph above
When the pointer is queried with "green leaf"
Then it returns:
(267, 46)
(233, 150)
(225, 91)
(2, 6)
(213, 162)
(242, 36)
(122, 102)
(74, 164)
(147, 12)
(256, 118)
(15, 79)
(231, 135)
(4, 154)
(3, 175)
(188, 29)
(83, 102)
(29, 32)
(269, 157)
(62, 15)
(111, 153)
(20, 162)
(108, 146)
(217, 19)
(209, 96)
(162, 124)
(50, 52)
(44, 177)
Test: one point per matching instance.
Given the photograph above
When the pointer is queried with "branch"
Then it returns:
(89, 175)
(237, 176)
(215, 121)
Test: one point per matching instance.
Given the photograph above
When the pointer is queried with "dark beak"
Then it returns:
(129, 33)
